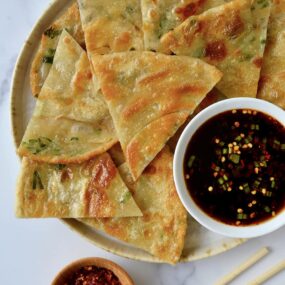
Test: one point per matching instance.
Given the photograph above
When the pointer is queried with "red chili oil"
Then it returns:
(93, 275)
(234, 167)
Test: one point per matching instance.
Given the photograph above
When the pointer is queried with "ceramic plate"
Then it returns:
(199, 243)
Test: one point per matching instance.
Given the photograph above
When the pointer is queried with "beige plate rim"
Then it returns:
(20, 71)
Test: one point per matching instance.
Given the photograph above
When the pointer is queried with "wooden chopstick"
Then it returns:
(269, 273)
(244, 266)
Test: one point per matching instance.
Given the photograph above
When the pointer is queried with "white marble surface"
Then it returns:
(32, 251)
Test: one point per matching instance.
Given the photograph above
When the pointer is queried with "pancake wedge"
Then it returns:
(150, 95)
(162, 16)
(43, 59)
(71, 121)
(111, 26)
(271, 84)
(91, 189)
(231, 37)
(161, 230)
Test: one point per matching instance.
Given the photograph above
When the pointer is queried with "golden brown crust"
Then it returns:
(102, 175)
(70, 21)
(71, 122)
(112, 27)
(141, 89)
(160, 17)
(271, 83)
(151, 139)
(230, 37)
(91, 189)
(161, 230)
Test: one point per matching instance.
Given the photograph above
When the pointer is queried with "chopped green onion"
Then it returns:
(60, 166)
(241, 216)
(221, 180)
(234, 158)
(37, 182)
(225, 177)
(256, 183)
(191, 160)
(225, 150)
(267, 209)
(74, 139)
(126, 197)
(52, 33)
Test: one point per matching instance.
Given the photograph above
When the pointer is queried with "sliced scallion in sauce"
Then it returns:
(234, 166)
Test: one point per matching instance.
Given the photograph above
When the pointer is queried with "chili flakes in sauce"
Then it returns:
(234, 167)
(93, 275)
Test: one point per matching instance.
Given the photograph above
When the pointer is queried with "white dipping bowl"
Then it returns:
(245, 231)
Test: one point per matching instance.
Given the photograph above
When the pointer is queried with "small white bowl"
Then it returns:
(194, 210)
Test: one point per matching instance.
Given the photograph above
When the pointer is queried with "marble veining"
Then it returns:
(5, 83)
(33, 251)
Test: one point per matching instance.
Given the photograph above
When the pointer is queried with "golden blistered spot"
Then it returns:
(235, 27)
(132, 109)
(187, 88)
(102, 174)
(154, 77)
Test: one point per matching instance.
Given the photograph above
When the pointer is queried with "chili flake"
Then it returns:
(92, 275)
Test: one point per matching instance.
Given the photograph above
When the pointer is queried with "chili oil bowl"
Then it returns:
(234, 184)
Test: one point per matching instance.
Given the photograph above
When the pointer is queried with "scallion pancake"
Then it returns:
(162, 16)
(43, 58)
(91, 189)
(161, 230)
(232, 37)
(149, 96)
(111, 26)
(71, 121)
(272, 80)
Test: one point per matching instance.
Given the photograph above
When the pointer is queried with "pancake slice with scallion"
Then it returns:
(71, 121)
(111, 26)
(91, 189)
(160, 17)
(162, 228)
(271, 83)
(231, 37)
(150, 95)
(43, 59)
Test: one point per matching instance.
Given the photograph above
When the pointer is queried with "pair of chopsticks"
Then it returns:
(250, 262)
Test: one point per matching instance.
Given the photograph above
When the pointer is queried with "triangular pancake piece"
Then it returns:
(161, 230)
(149, 96)
(231, 37)
(91, 189)
(111, 26)
(42, 62)
(272, 80)
(71, 121)
(160, 17)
